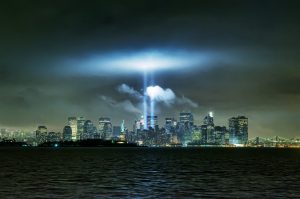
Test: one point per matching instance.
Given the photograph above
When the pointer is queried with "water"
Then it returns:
(149, 173)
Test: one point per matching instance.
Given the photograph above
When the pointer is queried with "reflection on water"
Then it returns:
(149, 173)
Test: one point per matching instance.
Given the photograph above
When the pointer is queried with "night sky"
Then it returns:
(57, 59)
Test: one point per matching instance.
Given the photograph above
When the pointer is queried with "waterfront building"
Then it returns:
(186, 118)
(72, 122)
(41, 134)
(67, 133)
(89, 130)
(54, 137)
(221, 137)
(105, 128)
(238, 130)
(80, 124)
(170, 125)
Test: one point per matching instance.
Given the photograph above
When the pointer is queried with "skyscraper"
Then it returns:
(210, 133)
(186, 118)
(105, 128)
(170, 124)
(89, 130)
(67, 133)
(41, 134)
(209, 120)
(238, 130)
(221, 135)
(72, 122)
(80, 123)
(185, 127)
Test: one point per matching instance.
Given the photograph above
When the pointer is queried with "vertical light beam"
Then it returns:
(152, 103)
(145, 100)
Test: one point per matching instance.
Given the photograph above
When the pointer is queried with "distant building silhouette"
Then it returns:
(89, 130)
(67, 133)
(72, 122)
(238, 130)
(186, 118)
(41, 134)
(170, 125)
(54, 137)
(80, 123)
(105, 128)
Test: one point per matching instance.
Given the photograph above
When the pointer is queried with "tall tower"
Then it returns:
(67, 133)
(80, 124)
(210, 130)
(72, 122)
(41, 134)
(105, 128)
(209, 120)
(186, 118)
(88, 130)
(170, 124)
(238, 130)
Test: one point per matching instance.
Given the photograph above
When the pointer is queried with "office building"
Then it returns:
(105, 128)
(67, 133)
(41, 134)
(72, 122)
(238, 130)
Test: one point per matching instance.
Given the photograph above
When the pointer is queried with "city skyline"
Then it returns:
(88, 58)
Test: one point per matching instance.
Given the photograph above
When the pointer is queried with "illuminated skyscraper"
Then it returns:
(221, 137)
(186, 118)
(67, 133)
(210, 133)
(105, 128)
(72, 122)
(89, 130)
(80, 124)
(185, 127)
(209, 120)
(238, 130)
(41, 134)
(170, 124)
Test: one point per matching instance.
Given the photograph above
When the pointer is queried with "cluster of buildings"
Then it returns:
(146, 131)
(181, 131)
(17, 135)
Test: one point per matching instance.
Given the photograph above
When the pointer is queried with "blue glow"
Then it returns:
(140, 61)
(145, 101)
(152, 103)
(55, 145)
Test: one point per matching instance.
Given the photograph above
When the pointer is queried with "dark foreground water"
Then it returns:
(149, 173)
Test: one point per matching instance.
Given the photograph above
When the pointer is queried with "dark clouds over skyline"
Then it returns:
(251, 49)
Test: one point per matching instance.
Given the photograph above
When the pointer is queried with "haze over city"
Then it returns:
(237, 58)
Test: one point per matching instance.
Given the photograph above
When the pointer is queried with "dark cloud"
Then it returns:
(252, 69)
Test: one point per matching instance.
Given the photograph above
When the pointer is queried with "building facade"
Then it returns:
(238, 130)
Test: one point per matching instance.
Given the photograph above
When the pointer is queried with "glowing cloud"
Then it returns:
(159, 94)
(141, 61)
(156, 94)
